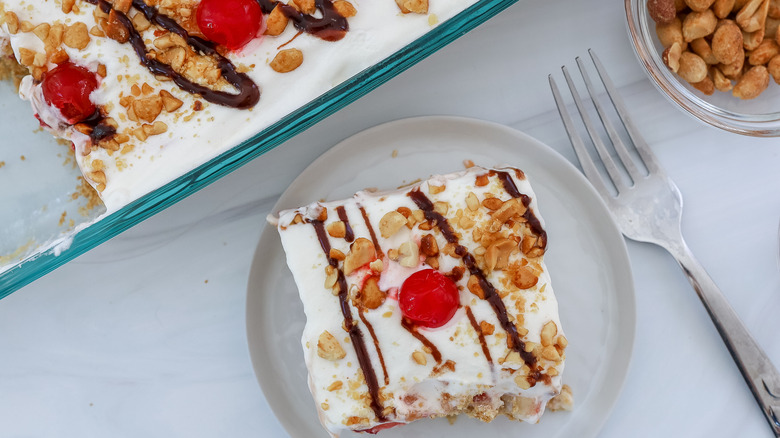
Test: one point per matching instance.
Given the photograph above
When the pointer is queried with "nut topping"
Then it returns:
(409, 254)
(391, 223)
(419, 357)
(509, 209)
(331, 277)
(413, 6)
(371, 296)
(287, 60)
(524, 278)
(328, 347)
(428, 246)
(361, 252)
(435, 190)
(276, 22)
(337, 229)
(487, 328)
(532, 246)
(497, 254)
(548, 333)
(475, 287)
(551, 353)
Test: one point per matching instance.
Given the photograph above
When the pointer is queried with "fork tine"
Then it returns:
(639, 142)
(588, 167)
(606, 159)
(620, 148)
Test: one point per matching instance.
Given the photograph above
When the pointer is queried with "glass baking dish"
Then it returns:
(30, 212)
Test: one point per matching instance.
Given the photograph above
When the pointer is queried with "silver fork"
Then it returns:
(650, 210)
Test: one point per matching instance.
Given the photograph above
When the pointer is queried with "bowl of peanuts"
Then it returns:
(719, 60)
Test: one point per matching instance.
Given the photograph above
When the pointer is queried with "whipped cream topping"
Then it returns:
(468, 365)
(200, 131)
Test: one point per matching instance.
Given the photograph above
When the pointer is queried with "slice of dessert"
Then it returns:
(427, 301)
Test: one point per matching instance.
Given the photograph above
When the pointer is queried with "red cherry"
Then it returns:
(232, 23)
(429, 298)
(67, 88)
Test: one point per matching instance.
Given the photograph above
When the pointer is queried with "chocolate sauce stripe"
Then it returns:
(376, 344)
(371, 231)
(330, 27)
(491, 296)
(420, 337)
(354, 331)
(342, 212)
(530, 217)
(481, 335)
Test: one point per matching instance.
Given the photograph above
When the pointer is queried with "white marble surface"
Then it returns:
(144, 335)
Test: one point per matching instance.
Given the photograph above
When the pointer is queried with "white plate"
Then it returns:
(586, 257)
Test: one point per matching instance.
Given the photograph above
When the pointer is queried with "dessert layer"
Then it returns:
(153, 129)
(427, 301)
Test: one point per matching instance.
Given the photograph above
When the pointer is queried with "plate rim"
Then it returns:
(629, 295)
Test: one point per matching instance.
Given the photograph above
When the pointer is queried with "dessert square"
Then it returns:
(427, 301)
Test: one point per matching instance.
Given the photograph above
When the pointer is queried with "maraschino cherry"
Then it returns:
(428, 298)
(67, 87)
(232, 23)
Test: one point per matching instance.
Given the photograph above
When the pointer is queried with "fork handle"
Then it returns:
(759, 373)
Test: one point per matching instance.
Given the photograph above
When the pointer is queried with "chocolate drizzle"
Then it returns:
(350, 235)
(100, 129)
(248, 92)
(481, 335)
(530, 217)
(509, 185)
(331, 26)
(411, 328)
(371, 231)
(354, 331)
(491, 295)
(376, 344)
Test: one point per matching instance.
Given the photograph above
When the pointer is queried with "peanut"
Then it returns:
(722, 8)
(692, 68)
(733, 70)
(699, 25)
(671, 57)
(391, 223)
(706, 86)
(727, 42)
(774, 68)
(764, 52)
(701, 47)
(662, 11)
(699, 5)
(328, 347)
(770, 27)
(753, 15)
(721, 82)
(751, 40)
(276, 22)
(287, 60)
(752, 83)
(670, 33)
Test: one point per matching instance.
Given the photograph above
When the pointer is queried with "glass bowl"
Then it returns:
(30, 258)
(759, 117)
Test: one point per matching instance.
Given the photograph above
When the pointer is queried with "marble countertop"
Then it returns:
(145, 334)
